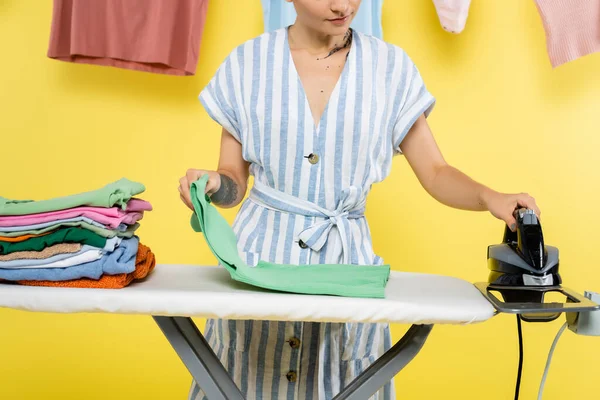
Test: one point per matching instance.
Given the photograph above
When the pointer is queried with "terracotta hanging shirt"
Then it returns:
(159, 36)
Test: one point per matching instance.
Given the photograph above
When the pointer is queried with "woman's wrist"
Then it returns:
(485, 194)
(227, 193)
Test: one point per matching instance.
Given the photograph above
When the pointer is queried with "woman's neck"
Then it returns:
(303, 37)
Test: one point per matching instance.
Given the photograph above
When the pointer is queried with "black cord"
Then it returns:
(520, 357)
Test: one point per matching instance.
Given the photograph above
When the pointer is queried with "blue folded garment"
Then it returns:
(50, 223)
(120, 261)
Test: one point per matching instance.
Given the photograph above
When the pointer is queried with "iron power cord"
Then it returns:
(520, 369)
(560, 331)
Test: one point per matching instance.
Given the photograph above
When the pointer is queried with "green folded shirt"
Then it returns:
(116, 193)
(65, 235)
(329, 279)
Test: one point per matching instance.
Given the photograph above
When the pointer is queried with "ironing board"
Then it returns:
(173, 294)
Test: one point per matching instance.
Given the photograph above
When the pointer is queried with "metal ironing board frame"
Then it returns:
(203, 364)
(174, 294)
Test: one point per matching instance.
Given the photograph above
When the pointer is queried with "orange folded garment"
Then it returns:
(144, 264)
(60, 248)
(21, 238)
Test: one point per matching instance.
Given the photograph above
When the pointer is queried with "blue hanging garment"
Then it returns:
(280, 14)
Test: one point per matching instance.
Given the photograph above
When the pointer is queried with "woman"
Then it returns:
(318, 111)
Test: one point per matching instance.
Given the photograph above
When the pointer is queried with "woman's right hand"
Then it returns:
(192, 175)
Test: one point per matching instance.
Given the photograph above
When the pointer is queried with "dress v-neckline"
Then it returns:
(336, 88)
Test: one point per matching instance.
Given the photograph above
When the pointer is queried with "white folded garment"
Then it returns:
(83, 257)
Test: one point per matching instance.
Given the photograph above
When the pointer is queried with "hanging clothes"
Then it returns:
(159, 36)
(452, 14)
(281, 14)
(572, 28)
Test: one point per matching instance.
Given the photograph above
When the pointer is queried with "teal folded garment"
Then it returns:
(329, 279)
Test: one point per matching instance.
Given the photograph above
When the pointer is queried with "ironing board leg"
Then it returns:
(199, 358)
(216, 383)
(387, 366)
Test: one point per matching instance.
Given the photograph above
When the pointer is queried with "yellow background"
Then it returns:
(503, 116)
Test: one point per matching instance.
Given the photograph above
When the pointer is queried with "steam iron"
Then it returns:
(523, 269)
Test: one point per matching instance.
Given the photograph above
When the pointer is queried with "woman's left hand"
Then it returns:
(502, 206)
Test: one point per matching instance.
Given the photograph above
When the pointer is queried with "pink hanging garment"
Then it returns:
(160, 36)
(572, 28)
(452, 14)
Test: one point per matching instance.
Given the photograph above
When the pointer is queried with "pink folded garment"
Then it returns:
(572, 28)
(111, 217)
(135, 204)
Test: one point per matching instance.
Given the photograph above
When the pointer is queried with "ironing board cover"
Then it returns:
(209, 292)
(330, 279)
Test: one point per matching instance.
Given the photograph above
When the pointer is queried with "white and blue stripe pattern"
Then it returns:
(351, 205)
(257, 95)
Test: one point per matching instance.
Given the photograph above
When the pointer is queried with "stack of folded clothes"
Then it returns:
(85, 240)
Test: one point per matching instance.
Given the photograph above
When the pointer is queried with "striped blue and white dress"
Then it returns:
(257, 95)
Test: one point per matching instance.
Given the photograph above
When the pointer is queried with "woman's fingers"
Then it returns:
(211, 186)
(191, 176)
(186, 202)
(527, 201)
(184, 192)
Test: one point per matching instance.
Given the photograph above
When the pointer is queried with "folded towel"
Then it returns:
(123, 231)
(108, 217)
(120, 261)
(61, 248)
(144, 264)
(64, 235)
(117, 193)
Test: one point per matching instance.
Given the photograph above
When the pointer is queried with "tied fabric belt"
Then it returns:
(351, 205)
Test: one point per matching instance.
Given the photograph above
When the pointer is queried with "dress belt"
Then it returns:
(351, 205)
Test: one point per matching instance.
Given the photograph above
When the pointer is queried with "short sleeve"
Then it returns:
(219, 100)
(414, 100)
